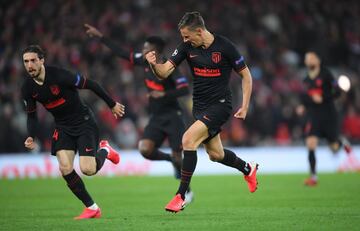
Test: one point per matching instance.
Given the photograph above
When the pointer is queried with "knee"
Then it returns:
(188, 143)
(65, 169)
(88, 170)
(145, 149)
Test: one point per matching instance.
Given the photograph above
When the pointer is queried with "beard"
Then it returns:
(34, 73)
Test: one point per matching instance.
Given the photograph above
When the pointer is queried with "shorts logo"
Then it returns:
(88, 149)
(216, 57)
(55, 90)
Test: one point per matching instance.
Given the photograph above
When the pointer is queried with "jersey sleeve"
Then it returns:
(69, 79)
(178, 55)
(135, 58)
(80, 82)
(236, 60)
(30, 109)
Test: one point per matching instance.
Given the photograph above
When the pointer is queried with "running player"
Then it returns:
(166, 116)
(75, 126)
(211, 59)
(321, 89)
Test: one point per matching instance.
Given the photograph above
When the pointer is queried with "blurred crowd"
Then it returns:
(273, 35)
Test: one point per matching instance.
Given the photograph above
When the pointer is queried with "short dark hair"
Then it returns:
(35, 49)
(192, 20)
(157, 41)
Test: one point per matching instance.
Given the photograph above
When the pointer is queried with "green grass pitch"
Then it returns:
(221, 203)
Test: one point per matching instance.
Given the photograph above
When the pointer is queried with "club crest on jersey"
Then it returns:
(216, 57)
(55, 90)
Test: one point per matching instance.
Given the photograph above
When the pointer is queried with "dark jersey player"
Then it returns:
(166, 118)
(75, 127)
(322, 121)
(211, 59)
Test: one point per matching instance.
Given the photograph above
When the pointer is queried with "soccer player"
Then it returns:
(211, 58)
(322, 122)
(166, 118)
(75, 126)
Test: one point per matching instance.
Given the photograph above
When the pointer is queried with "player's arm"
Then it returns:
(79, 82)
(161, 70)
(117, 109)
(32, 120)
(246, 90)
(238, 63)
(117, 50)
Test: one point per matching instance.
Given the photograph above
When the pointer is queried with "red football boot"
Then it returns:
(113, 155)
(89, 213)
(311, 182)
(251, 178)
(176, 204)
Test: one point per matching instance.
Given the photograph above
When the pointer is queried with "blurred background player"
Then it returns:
(211, 59)
(321, 89)
(75, 126)
(166, 116)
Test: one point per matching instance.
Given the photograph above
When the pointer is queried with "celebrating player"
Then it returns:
(75, 126)
(322, 121)
(166, 116)
(211, 59)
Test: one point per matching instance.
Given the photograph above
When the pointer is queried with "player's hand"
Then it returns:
(118, 110)
(151, 57)
(92, 31)
(318, 99)
(29, 143)
(156, 94)
(241, 113)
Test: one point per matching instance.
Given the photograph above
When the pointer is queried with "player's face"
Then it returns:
(32, 64)
(192, 36)
(312, 61)
(147, 48)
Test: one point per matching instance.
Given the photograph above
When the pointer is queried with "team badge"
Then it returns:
(55, 90)
(216, 57)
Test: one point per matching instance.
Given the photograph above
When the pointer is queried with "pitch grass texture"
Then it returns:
(282, 202)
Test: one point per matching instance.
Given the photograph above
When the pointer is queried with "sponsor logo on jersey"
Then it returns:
(55, 90)
(216, 57)
(206, 72)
